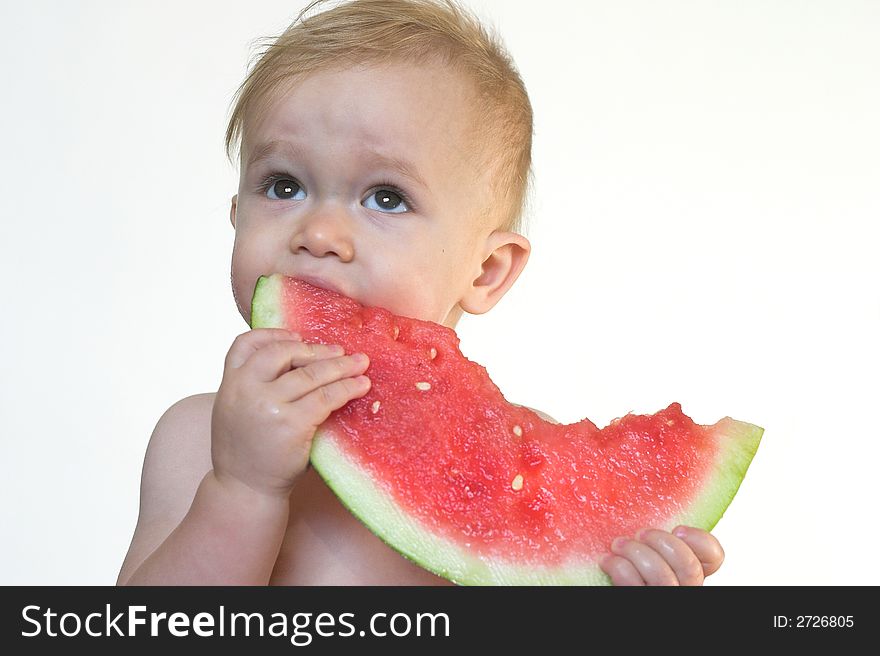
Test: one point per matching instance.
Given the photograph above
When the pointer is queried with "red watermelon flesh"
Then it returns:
(438, 464)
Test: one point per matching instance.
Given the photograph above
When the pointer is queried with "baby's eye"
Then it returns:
(387, 200)
(283, 189)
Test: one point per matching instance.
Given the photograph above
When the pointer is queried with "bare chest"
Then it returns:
(326, 545)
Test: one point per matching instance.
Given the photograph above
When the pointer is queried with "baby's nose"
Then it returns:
(324, 234)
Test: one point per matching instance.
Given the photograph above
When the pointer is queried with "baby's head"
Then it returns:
(385, 152)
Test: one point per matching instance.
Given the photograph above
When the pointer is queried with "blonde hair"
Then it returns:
(361, 32)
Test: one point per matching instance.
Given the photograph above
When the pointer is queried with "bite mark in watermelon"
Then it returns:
(440, 466)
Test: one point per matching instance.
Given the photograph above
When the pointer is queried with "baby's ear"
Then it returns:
(505, 257)
(232, 208)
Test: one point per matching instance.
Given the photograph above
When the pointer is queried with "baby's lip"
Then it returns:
(323, 283)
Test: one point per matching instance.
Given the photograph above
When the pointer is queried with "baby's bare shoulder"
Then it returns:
(179, 453)
(191, 416)
(177, 458)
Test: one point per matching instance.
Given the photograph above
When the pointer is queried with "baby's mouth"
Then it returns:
(323, 283)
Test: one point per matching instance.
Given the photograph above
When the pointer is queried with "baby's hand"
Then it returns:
(658, 557)
(276, 390)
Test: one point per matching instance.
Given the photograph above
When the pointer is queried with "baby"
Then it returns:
(385, 153)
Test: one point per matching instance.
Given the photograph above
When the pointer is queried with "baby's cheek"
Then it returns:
(409, 297)
(242, 283)
(242, 302)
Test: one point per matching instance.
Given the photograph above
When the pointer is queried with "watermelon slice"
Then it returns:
(480, 491)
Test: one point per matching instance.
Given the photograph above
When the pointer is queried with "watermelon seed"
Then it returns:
(396, 332)
(669, 422)
(517, 482)
(433, 353)
(423, 386)
(375, 408)
(517, 430)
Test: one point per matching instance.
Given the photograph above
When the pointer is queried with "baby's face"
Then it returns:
(363, 181)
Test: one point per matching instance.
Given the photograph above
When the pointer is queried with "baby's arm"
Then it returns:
(275, 391)
(684, 557)
(191, 529)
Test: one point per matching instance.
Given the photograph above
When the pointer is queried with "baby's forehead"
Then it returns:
(429, 108)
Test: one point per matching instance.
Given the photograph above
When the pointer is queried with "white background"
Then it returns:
(704, 230)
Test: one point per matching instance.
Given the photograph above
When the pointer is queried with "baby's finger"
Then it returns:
(324, 400)
(651, 565)
(248, 343)
(704, 545)
(279, 357)
(297, 383)
(681, 558)
(620, 570)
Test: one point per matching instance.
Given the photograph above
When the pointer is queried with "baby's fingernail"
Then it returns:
(641, 534)
(680, 532)
(618, 543)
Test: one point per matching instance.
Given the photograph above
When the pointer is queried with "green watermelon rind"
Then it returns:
(738, 442)
(265, 306)
(376, 508)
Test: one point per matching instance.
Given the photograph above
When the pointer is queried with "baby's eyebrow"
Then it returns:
(403, 167)
(265, 150)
